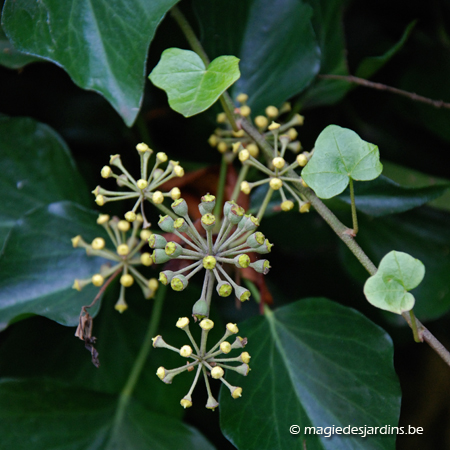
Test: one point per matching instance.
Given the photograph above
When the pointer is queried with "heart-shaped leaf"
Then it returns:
(314, 363)
(340, 154)
(397, 274)
(190, 86)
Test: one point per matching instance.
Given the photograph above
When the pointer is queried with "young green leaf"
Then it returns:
(314, 363)
(340, 154)
(190, 86)
(397, 274)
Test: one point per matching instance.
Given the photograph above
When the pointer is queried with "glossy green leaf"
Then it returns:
(423, 232)
(327, 22)
(370, 65)
(41, 414)
(38, 264)
(397, 274)
(37, 169)
(274, 66)
(340, 154)
(102, 44)
(191, 87)
(10, 57)
(383, 196)
(314, 363)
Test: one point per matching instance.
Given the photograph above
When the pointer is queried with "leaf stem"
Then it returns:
(414, 326)
(237, 187)
(221, 186)
(352, 200)
(264, 204)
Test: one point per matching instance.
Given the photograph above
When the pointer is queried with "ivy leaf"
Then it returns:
(272, 69)
(191, 87)
(340, 154)
(102, 44)
(397, 274)
(39, 265)
(314, 363)
(37, 169)
(47, 414)
(10, 57)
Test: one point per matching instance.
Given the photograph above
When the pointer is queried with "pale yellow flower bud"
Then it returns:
(275, 184)
(123, 249)
(213, 141)
(186, 351)
(245, 187)
(244, 155)
(102, 219)
(100, 200)
(123, 225)
(242, 98)
(225, 347)
(237, 393)
(274, 126)
(253, 150)
(146, 259)
(145, 235)
(245, 357)
(271, 112)
(98, 243)
(222, 146)
(206, 324)
(126, 280)
(182, 322)
(121, 306)
(161, 372)
(130, 216)
(292, 133)
(142, 147)
(178, 171)
(106, 172)
(217, 372)
(97, 280)
(161, 156)
(221, 117)
(302, 160)
(278, 162)
(245, 110)
(141, 184)
(232, 328)
(287, 205)
(153, 284)
(261, 121)
(236, 146)
(158, 197)
(175, 193)
(185, 403)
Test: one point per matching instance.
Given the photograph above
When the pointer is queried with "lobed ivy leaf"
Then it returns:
(38, 264)
(190, 86)
(397, 274)
(43, 414)
(314, 363)
(423, 232)
(37, 169)
(102, 44)
(340, 154)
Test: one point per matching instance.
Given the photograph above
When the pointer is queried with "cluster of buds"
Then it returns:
(229, 140)
(209, 362)
(128, 240)
(236, 238)
(278, 173)
(143, 188)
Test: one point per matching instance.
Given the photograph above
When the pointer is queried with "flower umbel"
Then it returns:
(237, 237)
(144, 188)
(206, 362)
(128, 240)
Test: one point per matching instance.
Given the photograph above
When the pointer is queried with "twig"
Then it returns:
(383, 87)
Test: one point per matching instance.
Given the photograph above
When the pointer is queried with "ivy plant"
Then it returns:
(176, 182)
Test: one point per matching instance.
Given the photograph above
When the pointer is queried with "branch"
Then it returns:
(383, 87)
